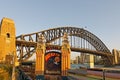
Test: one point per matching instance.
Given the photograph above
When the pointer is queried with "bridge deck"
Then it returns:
(33, 44)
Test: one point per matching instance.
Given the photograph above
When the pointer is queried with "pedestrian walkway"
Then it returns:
(95, 75)
(99, 74)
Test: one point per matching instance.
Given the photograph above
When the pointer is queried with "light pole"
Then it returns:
(103, 74)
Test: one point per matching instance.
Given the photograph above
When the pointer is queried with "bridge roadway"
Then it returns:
(33, 44)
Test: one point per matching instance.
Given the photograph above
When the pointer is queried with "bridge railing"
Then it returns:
(26, 72)
(23, 75)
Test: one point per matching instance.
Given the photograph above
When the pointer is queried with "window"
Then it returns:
(8, 35)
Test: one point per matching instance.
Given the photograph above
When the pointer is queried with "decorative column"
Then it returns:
(40, 51)
(65, 57)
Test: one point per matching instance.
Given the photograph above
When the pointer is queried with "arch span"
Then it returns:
(55, 33)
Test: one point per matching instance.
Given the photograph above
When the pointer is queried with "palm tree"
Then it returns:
(7, 70)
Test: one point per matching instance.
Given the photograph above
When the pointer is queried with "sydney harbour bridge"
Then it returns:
(76, 40)
(80, 40)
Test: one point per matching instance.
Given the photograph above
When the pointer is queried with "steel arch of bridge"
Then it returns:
(29, 40)
(55, 33)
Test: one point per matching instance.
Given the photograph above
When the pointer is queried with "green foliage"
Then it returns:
(7, 72)
(7, 68)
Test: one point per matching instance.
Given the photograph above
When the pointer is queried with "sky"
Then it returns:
(100, 17)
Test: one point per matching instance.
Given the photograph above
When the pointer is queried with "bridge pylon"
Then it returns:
(7, 39)
(40, 52)
(65, 58)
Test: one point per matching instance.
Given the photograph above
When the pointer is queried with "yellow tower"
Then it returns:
(65, 62)
(7, 38)
(40, 51)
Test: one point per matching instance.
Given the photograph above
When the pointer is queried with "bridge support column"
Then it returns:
(40, 51)
(65, 57)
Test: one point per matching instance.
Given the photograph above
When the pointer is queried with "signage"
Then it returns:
(53, 62)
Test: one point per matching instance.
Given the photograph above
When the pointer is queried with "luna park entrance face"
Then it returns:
(53, 63)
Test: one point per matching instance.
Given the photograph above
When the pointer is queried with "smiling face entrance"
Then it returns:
(53, 63)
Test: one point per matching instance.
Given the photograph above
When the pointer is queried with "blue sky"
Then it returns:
(101, 17)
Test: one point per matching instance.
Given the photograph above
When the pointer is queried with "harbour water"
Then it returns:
(77, 66)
